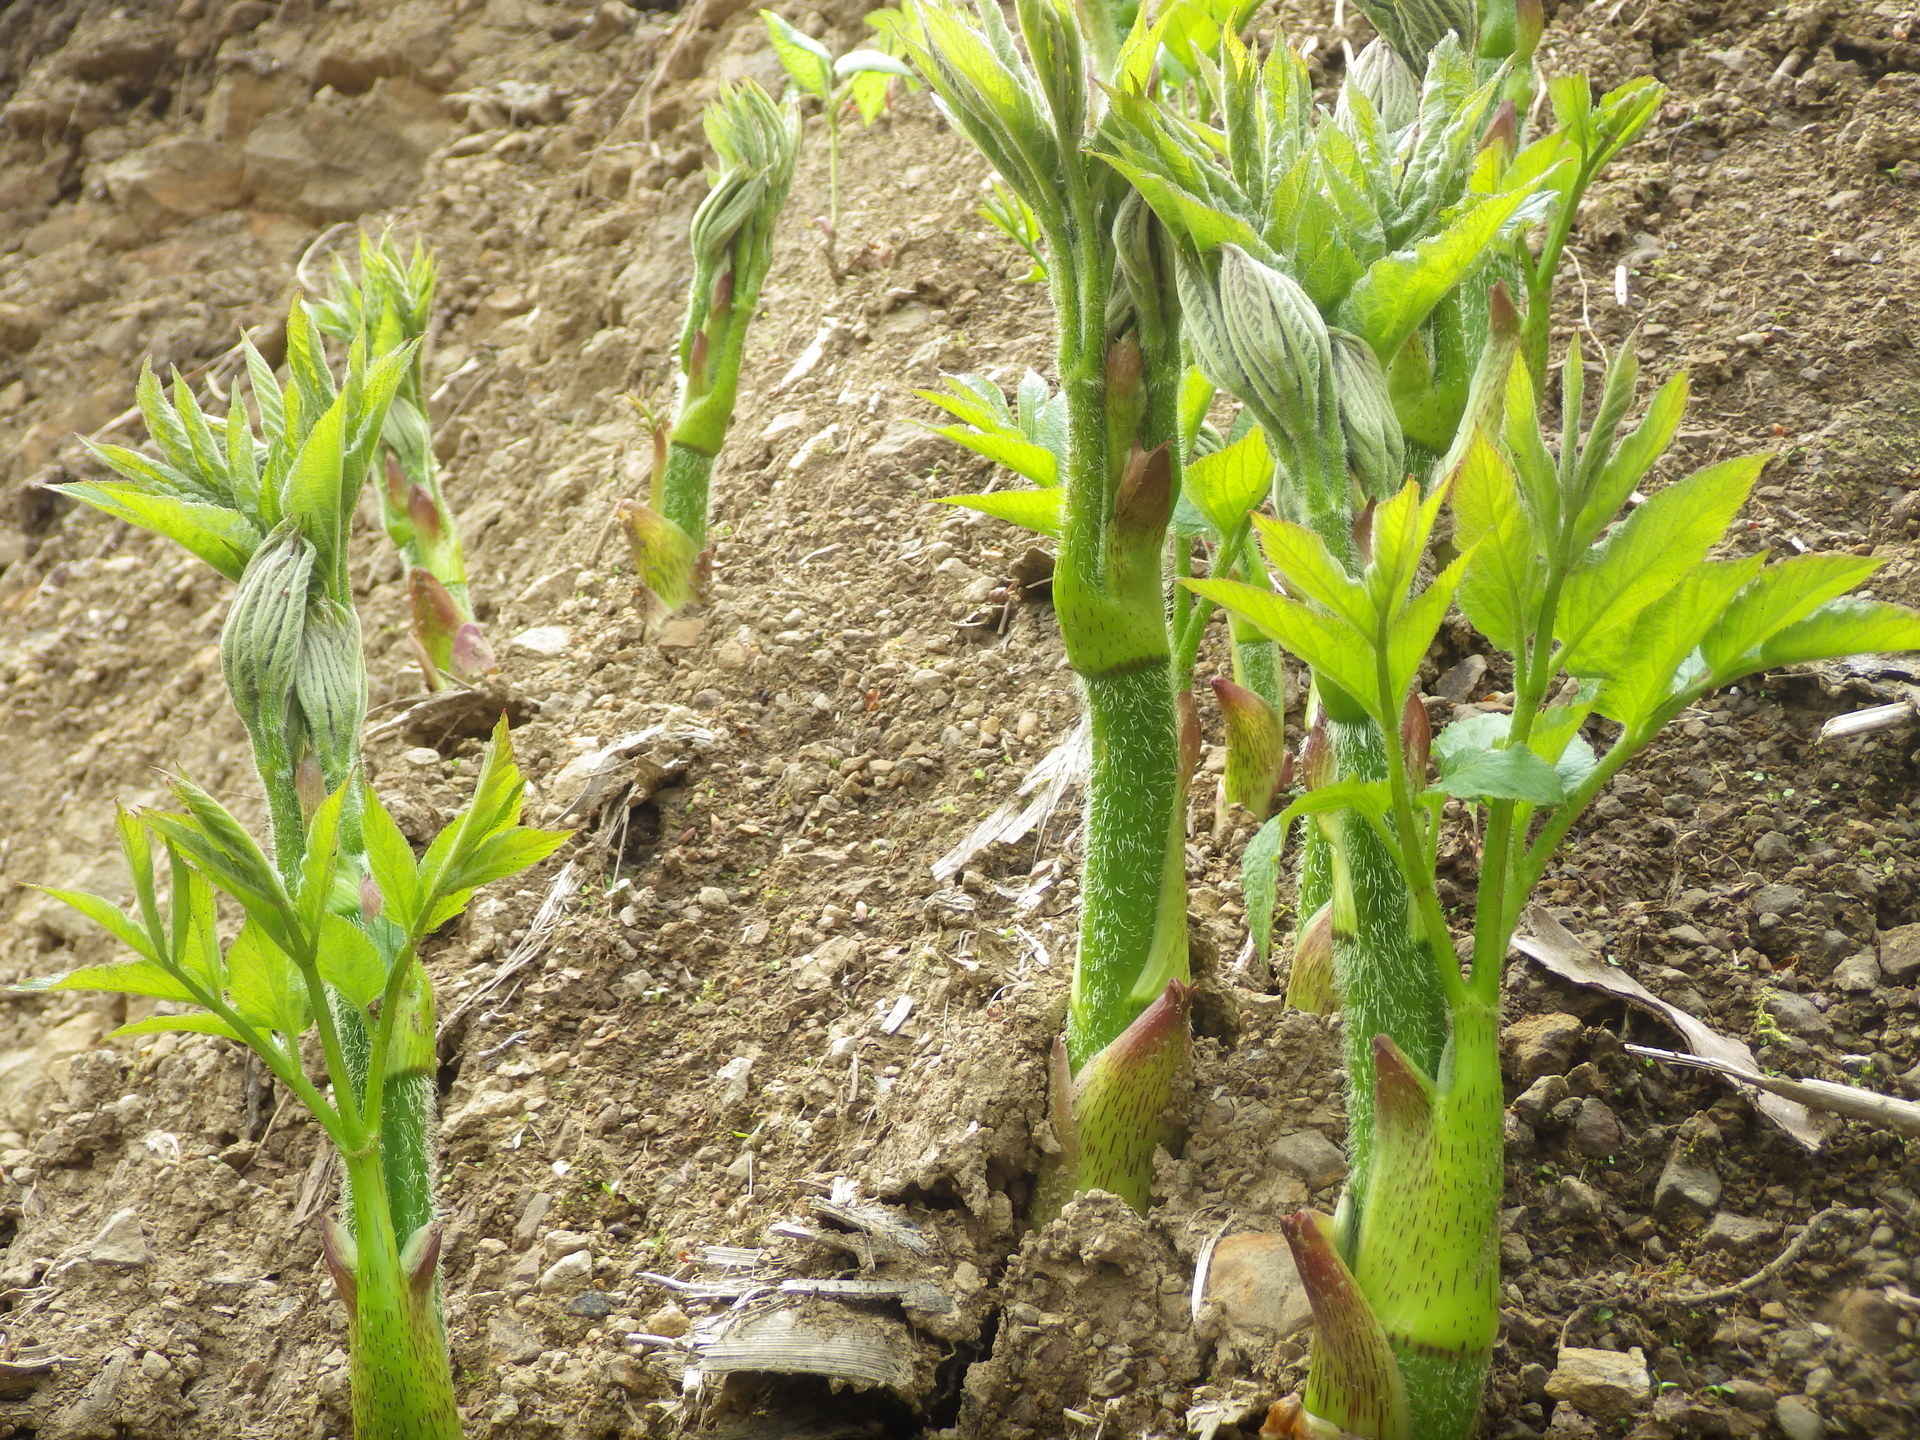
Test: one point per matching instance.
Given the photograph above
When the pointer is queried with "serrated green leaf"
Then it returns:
(804, 58)
(1036, 510)
(1260, 880)
(1637, 663)
(199, 1023)
(225, 539)
(264, 984)
(869, 62)
(1490, 520)
(349, 961)
(1398, 291)
(322, 860)
(1840, 627)
(108, 916)
(1020, 455)
(1501, 775)
(1332, 646)
(1647, 554)
(311, 492)
(1632, 459)
(1232, 482)
(123, 977)
(1411, 636)
(868, 91)
(1301, 558)
(1777, 597)
(390, 861)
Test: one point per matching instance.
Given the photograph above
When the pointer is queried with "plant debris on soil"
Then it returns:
(741, 1103)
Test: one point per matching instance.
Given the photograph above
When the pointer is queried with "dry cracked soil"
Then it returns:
(740, 1034)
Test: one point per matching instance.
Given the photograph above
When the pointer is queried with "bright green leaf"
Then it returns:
(1230, 483)
(196, 1024)
(350, 962)
(1037, 510)
(264, 984)
(805, 58)
(1782, 595)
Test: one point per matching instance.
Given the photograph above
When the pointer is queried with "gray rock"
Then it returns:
(1311, 1156)
(1601, 1383)
(1688, 1187)
(511, 1339)
(1540, 1097)
(1581, 1201)
(1797, 1015)
(1596, 1130)
(121, 1241)
(1736, 1234)
(1772, 848)
(594, 1304)
(569, 1272)
(1870, 1320)
(1900, 953)
(1777, 899)
(1857, 974)
(1541, 1045)
(1798, 1420)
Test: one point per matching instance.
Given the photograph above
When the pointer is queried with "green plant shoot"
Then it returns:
(1614, 626)
(388, 307)
(756, 140)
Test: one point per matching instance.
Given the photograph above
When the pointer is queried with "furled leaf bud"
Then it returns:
(1376, 449)
(472, 655)
(1279, 342)
(424, 514)
(1311, 986)
(1205, 327)
(1255, 747)
(1190, 739)
(260, 642)
(1316, 756)
(1416, 741)
(331, 688)
(1145, 503)
(1383, 77)
(396, 483)
(1355, 1382)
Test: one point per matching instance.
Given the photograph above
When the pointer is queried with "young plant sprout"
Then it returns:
(860, 78)
(1614, 627)
(337, 907)
(756, 140)
(1105, 454)
(386, 308)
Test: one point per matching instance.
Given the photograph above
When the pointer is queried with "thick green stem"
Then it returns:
(684, 492)
(1133, 923)
(402, 1375)
(1385, 971)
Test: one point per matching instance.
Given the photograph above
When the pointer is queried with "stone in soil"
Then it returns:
(1900, 953)
(1596, 1130)
(1798, 1420)
(1253, 1280)
(1688, 1188)
(1797, 1015)
(1540, 1045)
(1309, 1155)
(1604, 1384)
(1736, 1234)
(1857, 974)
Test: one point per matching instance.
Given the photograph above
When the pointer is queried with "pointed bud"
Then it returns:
(424, 514)
(1416, 741)
(1503, 132)
(309, 786)
(1376, 449)
(372, 902)
(420, 1259)
(1190, 737)
(1504, 316)
(343, 1260)
(1144, 503)
(663, 553)
(1118, 1098)
(1355, 1382)
(1256, 745)
(722, 294)
(396, 483)
(1362, 526)
(471, 654)
(1384, 78)
(1287, 1419)
(1316, 756)
(1403, 1097)
(1310, 985)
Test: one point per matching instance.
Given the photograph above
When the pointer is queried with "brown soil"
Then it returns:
(715, 1033)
